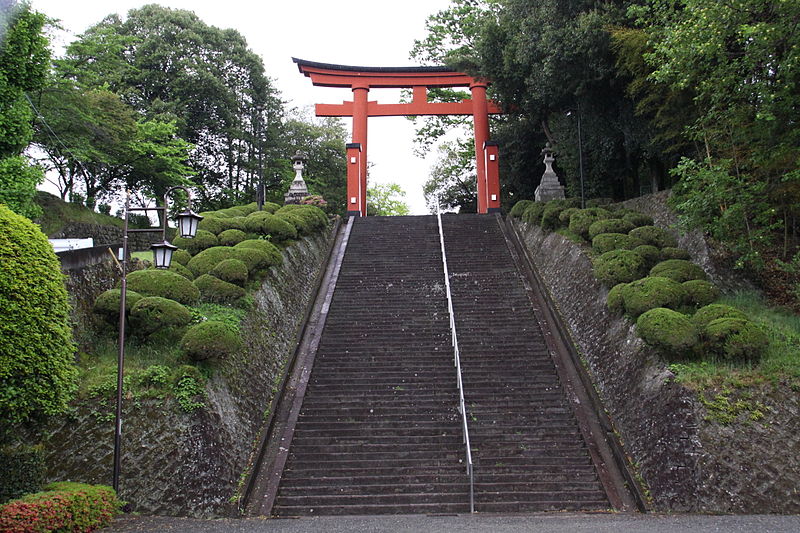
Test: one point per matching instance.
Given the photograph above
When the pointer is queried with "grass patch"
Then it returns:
(57, 213)
(780, 363)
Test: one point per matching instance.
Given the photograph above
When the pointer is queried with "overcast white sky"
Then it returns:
(356, 32)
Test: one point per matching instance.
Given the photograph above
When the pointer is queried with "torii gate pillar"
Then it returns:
(419, 79)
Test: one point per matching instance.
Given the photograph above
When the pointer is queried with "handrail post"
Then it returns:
(462, 408)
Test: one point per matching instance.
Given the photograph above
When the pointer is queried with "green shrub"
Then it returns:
(252, 207)
(213, 289)
(201, 241)
(705, 315)
(650, 253)
(61, 507)
(206, 260)
(107, 304)
(270, 225)
(212, 214)
(599, 202)
(232, 212)
(619, 266)
(300, 223)
(609, 225)
(614, 300)
(37, 371)
(237, 223)
(533, 213)
(188, 386)
(670, 252)
(565, 215)
(519, 208)
(273, 253)
(270, 207)
(637, 219)
(23, 471)
(678, 269)
(163, 283)
(181, 256)
(605, 242)
(212, 224)
(652, 235)
(651, 292)
(254, 259)
(580, 221)
(315, 216)
(153, 313)
(231, 237)
(210, 339)
(568, 203)
(667, 330)
(699, 292)
(551, 217)
(736, 339)
(231, 270)
(180, 270)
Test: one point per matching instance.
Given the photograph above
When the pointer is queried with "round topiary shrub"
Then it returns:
(231, 212)
(37, 372)
(700, 292)
(651, 292)
(551, 217)
(614, 300)
(519, 208)
(609, 225)
(180, 269)
(236, 223)
(213, 289)
(705, 315)
(201, 241)
(619, 266)
(212, 224)
(678, 269)
(107, 304)
(599, 202)
(272, 251)
(670, 252)
(657, 237)
(533, 213)
(736, 339)
(303, 226)
(231, 270)
(566, 214)
(203, 262)
(153, 313)
(231, 237)
(605, 242)
(181, 256)
(255, 259)
(313, 215)
(211, 339)
(252, 207)
(165, 284)
(270, 207)
(580, 221)
(637, 219)
(650, 253)
(270, 225)
(668, 331)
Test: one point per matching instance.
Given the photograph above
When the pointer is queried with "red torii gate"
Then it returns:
(419, 80)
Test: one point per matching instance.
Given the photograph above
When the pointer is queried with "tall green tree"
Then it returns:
(386, 199)
(452, 181)
(24, 57)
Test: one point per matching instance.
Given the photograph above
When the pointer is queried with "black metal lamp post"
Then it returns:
(162, 257)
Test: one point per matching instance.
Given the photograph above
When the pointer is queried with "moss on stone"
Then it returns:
(609, 225)
(619, 266)
(651, 292)
(213, 289)
(605, 242)
(231, 237)
(700, 292)
(657, 237)
(210, 340)
(669, 331)
(231, 270)
(678, 269)
(154, 313)
(165, 284)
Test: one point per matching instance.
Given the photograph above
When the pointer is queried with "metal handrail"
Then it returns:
(457, 361)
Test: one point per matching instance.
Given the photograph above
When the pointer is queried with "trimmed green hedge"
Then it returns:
(605, 242)
(272, 251)
(37, 369)
(736, 339)
(231, 270)
(650, 253)
(153, 313)
(610, 225)
(678, 269)
(165, 284)
(181, 270)
(266, 224)
(213, 289)
(210, 339)
(181, 257)
(22, 472)
(61, 507)
(211, 223)
(651, 292)
(652, 235)
(619, 266)
(206, 260)
(637, 219)
(700, 292)
(519, 208)
(107, 304)
(705, 315)
(669, 331)
(202, 240)
(231, 237)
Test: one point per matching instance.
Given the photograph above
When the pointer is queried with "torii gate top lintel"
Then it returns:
(419, 79)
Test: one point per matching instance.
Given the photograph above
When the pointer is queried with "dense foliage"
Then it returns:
(36, 348)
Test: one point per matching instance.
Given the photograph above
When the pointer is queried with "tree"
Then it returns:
(24, 57)
(386, 199)
(453, 180)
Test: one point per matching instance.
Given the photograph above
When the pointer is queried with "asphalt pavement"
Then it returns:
(540, 523)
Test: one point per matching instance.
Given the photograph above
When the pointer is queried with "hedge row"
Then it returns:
(652, 280)
(61, 507)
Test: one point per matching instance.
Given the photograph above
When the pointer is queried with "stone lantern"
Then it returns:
(298, 190)
(549, 188)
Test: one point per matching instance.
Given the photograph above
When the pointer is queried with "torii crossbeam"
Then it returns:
(419, 80)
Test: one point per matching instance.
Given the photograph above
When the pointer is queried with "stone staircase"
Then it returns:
(379, 431)
(528, 449)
